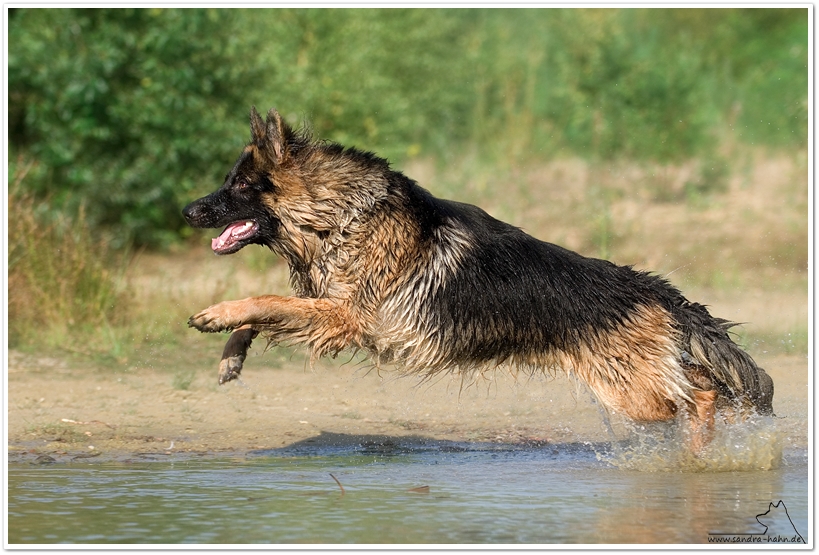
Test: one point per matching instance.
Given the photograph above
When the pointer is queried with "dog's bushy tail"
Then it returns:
(706, 343)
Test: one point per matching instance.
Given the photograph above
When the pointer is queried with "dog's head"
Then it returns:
(242, 204)
(290, 193)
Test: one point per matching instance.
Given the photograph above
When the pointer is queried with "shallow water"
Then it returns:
(477, 493)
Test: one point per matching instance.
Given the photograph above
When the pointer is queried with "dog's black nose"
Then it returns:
(190, 212)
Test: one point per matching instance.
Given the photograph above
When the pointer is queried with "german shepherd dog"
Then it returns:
(378, 264)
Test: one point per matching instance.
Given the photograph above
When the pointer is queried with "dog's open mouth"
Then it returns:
(234, 237)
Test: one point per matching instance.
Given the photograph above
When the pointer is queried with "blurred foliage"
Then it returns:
(64, 283)
(127, 110)
(134, 112)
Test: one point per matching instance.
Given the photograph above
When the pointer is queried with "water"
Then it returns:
(477, 493)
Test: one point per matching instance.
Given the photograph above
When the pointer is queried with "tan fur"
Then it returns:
(701, 422)
(633, 368)
(325, 325)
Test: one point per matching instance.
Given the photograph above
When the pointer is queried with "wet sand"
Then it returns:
(62, 411)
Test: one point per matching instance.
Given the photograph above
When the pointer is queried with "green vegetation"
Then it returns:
(127, 111)
(132, 112)
(119, 117)
(65, 285)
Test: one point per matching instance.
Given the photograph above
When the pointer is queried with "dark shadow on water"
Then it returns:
(329, 444)
(740, 448)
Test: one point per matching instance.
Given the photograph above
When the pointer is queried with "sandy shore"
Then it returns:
(60, 411)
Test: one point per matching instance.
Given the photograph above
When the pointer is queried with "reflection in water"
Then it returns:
(477, 493)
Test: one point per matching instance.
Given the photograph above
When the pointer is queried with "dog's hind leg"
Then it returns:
(701, 419)
(235, 352)
(701, 412)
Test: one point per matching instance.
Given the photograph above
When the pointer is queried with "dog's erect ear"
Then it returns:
(276, 135)
(257, 128)
(269, 137)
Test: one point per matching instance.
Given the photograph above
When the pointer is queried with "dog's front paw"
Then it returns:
(233, 356)
(230, 368)
(213, 319)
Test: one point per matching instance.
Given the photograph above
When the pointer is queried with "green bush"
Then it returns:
(127, 108)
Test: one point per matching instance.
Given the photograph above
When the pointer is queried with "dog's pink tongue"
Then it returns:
(227, 236)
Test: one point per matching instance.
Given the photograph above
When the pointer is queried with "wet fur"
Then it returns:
(429, 285)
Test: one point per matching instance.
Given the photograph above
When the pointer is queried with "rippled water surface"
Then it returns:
(439, 493)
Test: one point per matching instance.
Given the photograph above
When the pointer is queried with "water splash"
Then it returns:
(755, 444)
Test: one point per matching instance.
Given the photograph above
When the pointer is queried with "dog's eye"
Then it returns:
(241, 185)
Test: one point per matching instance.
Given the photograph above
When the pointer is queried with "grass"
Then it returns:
(66, 288)
(745, 231)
